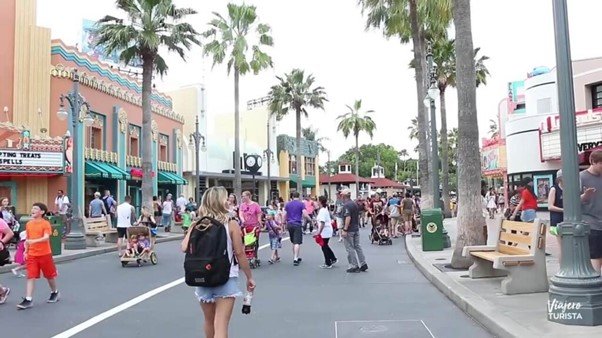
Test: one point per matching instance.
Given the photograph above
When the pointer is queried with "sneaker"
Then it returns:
(353, 270)
(300, 259)
(54, 297)
(25, 304)
(335, 261)
(324, 266)
(296, 262)
(364, 267)
(4, 295)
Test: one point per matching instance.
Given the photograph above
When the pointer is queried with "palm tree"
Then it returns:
(444, 56)
(416, 21)
(403, 153)
(229, 39)
(355, 122)
(150, 25)
(493, 128)
(311, 133)
(470, 218)
(294, 93)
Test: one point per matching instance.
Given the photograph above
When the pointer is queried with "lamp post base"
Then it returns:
(75, 240)
(578, 302)
(575, 296)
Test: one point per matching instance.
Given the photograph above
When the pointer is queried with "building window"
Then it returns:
(163, 148)
(597, 95)
(292, 164)
(134, 141)
(94, 139)
(310, 166)
(95, 133)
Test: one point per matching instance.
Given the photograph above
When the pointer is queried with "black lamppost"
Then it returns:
(77, 116)
(195, 143)
(575, 296)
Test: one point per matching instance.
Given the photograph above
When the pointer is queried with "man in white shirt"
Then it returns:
(61, 206)
(167, 213)
(181, 203)
(126, 216)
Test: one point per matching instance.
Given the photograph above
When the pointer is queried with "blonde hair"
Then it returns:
(213, 204)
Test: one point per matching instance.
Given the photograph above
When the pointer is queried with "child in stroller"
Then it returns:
(251, 242)
(379, 232)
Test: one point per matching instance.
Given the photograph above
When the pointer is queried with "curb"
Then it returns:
(90, 253)
(471, 303)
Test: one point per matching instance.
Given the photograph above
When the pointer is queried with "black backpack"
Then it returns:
(207, 262)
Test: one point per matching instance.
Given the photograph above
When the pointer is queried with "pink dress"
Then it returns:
(20, 254)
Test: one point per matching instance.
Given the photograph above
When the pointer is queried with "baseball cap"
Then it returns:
(559, 173)
(345, 191)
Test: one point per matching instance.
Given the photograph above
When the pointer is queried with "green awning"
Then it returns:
(105, 170)
(308, 182)
(166, 177)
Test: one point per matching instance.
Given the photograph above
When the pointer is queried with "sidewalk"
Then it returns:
(505, 316)
(70, 255)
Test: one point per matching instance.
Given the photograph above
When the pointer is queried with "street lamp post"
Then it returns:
(268, 156)
(429, 101)
(575, 296)
(75, 239)
(195, 140)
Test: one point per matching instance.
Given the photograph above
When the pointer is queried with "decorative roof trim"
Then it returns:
(82, 60)
(289, 144)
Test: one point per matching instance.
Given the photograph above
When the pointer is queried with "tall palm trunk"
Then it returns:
(298, 156)
(148, 144)
(444, 156)
(470, 217)
(237, 178)
(419, 62)
(357, 166)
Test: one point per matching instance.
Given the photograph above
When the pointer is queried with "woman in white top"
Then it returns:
(325, 230)
(217, 302)
(491, 199)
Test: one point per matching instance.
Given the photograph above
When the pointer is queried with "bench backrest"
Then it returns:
(96, 224)
(520, 238)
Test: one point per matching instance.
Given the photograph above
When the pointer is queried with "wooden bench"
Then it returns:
(519, 255)
(97, 228)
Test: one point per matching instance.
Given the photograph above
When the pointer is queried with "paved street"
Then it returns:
(392, 300)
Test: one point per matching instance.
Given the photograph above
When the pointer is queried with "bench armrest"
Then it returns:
(468, 249)
(498, 262)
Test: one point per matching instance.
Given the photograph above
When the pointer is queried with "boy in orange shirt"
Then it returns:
(38, 255)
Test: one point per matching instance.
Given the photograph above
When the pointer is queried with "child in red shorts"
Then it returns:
(38, 255)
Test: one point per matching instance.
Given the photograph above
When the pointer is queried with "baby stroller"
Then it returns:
(378, 234)
(141, 253)
(251, 242)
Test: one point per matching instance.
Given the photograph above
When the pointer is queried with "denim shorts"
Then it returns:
(228, 290)
(166, 220)
(528, 215)
(275, 243)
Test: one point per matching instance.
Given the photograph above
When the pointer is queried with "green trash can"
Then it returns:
(431, 222)
(56, 237)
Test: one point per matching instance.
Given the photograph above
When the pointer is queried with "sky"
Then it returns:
(328, 39)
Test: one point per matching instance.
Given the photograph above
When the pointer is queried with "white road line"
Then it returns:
(120, 308)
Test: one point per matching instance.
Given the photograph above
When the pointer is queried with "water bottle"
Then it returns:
(246, 303)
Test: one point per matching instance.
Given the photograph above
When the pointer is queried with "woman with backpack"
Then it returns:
(217, 302)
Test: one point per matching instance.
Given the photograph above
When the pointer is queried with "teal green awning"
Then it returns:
(308, 181)
(166, 177)
(105, 170)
